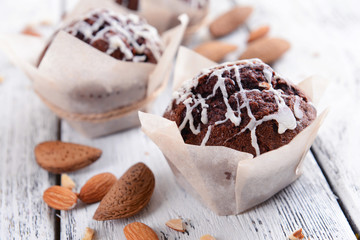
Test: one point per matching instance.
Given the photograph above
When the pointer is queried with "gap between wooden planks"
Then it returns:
(258, 225)
(108, 228)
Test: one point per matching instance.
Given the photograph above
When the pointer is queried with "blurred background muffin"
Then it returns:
(126, 37)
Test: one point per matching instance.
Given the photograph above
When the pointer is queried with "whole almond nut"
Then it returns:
(59, 198)
(128, 195)
(258, 33)
(97, 187)
(267, 49)
(176, 224)
(229, 21)
(207, 237)
(60, 157)
(67, 182)
(215, 50)
(139, 231)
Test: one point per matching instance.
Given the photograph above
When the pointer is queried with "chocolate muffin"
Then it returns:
(124, 37)
(243, 105)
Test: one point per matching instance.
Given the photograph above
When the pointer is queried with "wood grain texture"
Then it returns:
(25, 121)
(308, 203)
(331, 51)
(324, 36)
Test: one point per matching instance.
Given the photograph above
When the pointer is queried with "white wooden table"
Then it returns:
(325, 201)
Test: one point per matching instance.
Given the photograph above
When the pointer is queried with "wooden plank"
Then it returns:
(308, 203)
(17, 14)
(25, 121)
(324, 36)
(337, 145)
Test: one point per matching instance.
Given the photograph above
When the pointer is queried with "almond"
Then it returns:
(67, 182)
(89, 234)
(229, 21)
(60, 157)
(60, 198)
(1, 79)
(258, 33)
(267, 49)
(139, 231)
(297, 235)
(215, 50)
(46, 22)
(207, 237)
(176, 224)
(264, 85)
(128, 195)
(97, 187)
(29, 30)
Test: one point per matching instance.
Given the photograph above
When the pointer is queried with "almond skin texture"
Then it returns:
(258, 33)
(60, 198)
(97, 187)
(139, 231)
(267, 49)
(215, 50)
(229, 21)
(59, 157)
(128, 195)
(176, 224)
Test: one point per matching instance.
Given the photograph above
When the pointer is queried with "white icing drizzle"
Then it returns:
(120, 32)
(206, 138)
(298, 113)
(284, 116)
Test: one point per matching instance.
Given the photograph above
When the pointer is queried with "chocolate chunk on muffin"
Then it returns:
(243, 105)
(130, 4)
(125, 37)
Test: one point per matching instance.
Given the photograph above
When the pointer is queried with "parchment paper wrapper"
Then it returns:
(227, 181)
(162, 14)
(96, 93)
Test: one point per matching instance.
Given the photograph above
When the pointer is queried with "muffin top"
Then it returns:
(125, 37)
(243, 105)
